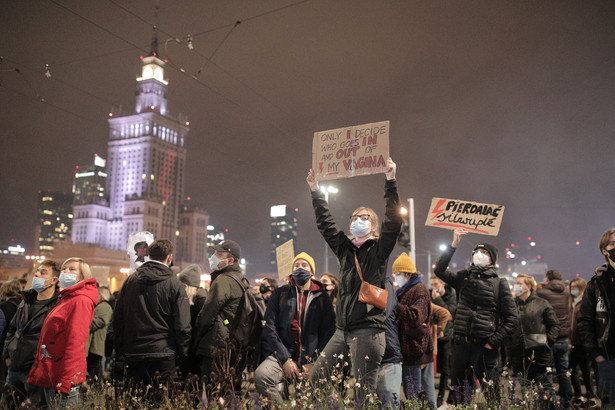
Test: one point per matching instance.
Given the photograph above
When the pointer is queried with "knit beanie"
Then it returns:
(492, 250)
(306, 257)
(404, 264)
(191, 276)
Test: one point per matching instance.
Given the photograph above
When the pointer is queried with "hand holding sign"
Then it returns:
(311, 180)
(391, 169)
(457, 234)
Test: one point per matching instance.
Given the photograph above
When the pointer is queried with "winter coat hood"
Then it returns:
(152, 272)
(85, 287)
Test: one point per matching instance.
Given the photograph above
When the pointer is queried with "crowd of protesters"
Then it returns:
(469, 327)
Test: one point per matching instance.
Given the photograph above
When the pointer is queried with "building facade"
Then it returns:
(55, 215)
(283, 229)
(145, 168)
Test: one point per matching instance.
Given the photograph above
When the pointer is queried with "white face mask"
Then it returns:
(67, 279)
(359, 228)
(401, 280)
(518, 289)
(480, 259)
(214, 263)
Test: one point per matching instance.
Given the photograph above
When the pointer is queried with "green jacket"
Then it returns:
(226, 297)
(98, 329)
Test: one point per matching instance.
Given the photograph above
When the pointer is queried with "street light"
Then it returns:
(326, 190)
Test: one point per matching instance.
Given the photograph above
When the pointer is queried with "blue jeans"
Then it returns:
(366, 347)
(561, 352)
(22, 390)
(427, 383)
(606, 383)
(389, 384)
(56, 400)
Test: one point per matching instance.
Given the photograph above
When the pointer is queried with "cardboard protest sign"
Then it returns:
(350, 151)
(284, 255)
(475, 217)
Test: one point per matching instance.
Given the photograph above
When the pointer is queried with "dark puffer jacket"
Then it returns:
(557, 294)
(536, 316)
(152, 314)
(373, 258)
(595, 316)
(24, 331)
(479, 316)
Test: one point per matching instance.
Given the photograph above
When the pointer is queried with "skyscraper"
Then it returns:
(146, 162)
(90, 182)
(55, 213)
(283, 229)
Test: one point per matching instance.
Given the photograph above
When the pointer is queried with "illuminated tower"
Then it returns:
(283, 228)
(55, 213)
(145, 168)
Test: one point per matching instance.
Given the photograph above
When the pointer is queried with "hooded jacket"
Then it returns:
(479, 316)
(596, 314)
(62, 364)
(557, 294)
(373, 258)
(536, 316)
(24, 331)
(152, 315)
(225, 297)
(317, 328)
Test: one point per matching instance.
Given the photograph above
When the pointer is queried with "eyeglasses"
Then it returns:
(363, 217)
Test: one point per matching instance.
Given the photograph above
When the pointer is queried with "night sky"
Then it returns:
(503, 102)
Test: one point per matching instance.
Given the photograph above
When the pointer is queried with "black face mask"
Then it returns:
(612, 255)
(301, 276)
(264, 288)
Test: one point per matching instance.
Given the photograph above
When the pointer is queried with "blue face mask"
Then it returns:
(359, 228)
(575, 292)
(38, 284)
(301, 276)
(67, 279)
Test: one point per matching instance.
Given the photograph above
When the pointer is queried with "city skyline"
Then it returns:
(494, 102)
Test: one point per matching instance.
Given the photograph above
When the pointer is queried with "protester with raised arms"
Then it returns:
(360, 327)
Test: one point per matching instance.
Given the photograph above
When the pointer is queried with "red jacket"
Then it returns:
(64, 335)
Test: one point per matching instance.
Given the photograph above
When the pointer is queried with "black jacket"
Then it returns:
(536, 316)
(392, 351)
(318, 326)
(152, 314)
(479, 315)
(595, 317)
(24, 331)
(373, 258)
(449, 302)
(557, 294)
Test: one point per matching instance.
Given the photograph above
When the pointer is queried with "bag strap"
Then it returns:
(356, 261)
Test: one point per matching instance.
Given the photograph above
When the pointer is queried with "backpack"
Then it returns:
(250, 324)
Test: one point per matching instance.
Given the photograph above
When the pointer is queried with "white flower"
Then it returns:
(341, 356)
(366, 357)
(357, 385)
